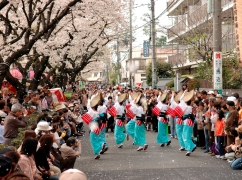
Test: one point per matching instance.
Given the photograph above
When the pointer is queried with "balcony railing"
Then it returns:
(225, 2)
(175, 30)
(140, 67)
(177, 59)
(170, 3)
(198, 15)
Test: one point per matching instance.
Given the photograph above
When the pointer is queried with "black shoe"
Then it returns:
(146, 147)
(206, 151)
(162, 145)
(120, 146)
(188, 154)
(105, 149)
(97, 157)
(182, 149)
(140, 149)
(168, 144)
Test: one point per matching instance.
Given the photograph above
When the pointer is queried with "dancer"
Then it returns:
(119, 134)
(140, 130)
(188, 122)
(92, 119)
(102, 111)
(178, 115)
(130, 126)
(162, 135)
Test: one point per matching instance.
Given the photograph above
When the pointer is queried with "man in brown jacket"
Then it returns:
(16, 119)
(231, 122)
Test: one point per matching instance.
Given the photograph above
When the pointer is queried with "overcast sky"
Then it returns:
(140, 8)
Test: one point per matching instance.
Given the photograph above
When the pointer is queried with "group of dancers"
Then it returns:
(134, 107)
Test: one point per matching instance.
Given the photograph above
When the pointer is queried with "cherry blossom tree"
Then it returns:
(61, 35)
(83, 35)
(22, 24)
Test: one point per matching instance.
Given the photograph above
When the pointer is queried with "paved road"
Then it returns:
(153, 164)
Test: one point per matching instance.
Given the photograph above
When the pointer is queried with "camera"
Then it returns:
(203, 119)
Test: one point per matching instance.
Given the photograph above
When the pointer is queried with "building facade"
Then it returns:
(192, 31)
(238, 25)
(135, 70)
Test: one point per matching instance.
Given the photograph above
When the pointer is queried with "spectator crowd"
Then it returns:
(50, 146)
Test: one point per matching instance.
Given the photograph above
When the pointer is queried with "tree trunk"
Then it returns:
(4, 68)
(21, 88)
(40, 67)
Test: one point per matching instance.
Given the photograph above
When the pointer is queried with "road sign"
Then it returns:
(217, 71)
(146, 48)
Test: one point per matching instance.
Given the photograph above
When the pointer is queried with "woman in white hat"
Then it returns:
(119, 134)
(162, 135)
(42, 129)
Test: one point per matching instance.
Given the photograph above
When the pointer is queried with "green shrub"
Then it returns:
(68, 94)
(170, 84)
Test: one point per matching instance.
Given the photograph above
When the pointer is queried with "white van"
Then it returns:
(124, 84)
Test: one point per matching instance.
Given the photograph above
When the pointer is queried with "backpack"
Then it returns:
(238, 153)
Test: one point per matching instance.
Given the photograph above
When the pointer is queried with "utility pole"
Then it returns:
(153, 44)
(130, 42)
(118, 62)
(217, 46)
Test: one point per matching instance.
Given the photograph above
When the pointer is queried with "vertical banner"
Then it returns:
(80, 85)
(217, 71)
(146, 48)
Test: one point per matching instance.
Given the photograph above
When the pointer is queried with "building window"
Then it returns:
(95, 74)
(143, 75)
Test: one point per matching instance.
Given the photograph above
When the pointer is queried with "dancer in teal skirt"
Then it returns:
(188, 124)
(96, 143)
(130, 126)
(162, 135)
(140, 130)
(102, 111)
(119, 130)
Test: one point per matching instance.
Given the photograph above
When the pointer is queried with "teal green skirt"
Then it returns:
(96, 143)
(139, 135)
(130, 128)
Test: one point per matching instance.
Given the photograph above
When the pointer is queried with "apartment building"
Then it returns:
(194, 18)
(238, 25)
(135, 70)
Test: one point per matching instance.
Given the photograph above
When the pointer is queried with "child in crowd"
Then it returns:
(219, 134)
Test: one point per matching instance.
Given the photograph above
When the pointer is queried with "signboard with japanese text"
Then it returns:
(217, 71)
(146, 48)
